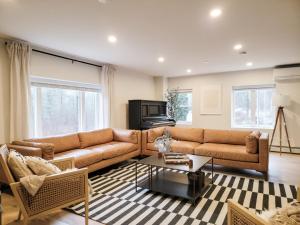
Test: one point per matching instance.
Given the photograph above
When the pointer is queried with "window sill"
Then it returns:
(249, 127)
(184, 123)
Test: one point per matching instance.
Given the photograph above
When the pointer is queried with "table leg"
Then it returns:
(149, 177)
(194, 188)
(212, 171)
(136, 177)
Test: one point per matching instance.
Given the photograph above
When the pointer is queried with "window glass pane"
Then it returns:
(91, 111)
(184, 111)
(252, 108)
(59, 111)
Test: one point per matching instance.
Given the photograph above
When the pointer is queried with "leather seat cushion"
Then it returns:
(95, 137)
(114, 149)
(226, 151)
(186, 147)
(82, 157)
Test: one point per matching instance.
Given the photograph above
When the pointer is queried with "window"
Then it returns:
(61, 107)
(252, 107)
(184, 107)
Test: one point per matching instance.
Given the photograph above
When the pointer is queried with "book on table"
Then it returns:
(176, 158)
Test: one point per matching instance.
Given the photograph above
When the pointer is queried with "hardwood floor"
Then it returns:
(283, 169)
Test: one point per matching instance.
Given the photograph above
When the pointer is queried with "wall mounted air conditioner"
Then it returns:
(287, 74)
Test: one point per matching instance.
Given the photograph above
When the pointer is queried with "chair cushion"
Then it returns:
(113, 149)
(226, 151)
(82, 157)
(95, 137)
(225, 136)
(61, 143)
(155, 133)
(186, 147)
(17, 165)
(41, 166)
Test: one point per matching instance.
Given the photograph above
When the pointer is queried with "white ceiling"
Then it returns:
(180, 30)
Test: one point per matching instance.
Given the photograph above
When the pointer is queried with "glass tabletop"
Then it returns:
(198, 163)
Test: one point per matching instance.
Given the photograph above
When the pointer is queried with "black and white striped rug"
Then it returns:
(115, 200)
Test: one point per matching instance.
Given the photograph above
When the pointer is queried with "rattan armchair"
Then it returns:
(57, 192)
(238, 215)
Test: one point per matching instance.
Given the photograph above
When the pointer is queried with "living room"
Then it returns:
(102, 93)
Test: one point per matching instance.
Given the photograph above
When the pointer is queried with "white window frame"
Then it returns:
(38, 81)
(234, 88)
(180, 122)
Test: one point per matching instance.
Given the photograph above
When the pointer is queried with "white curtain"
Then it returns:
(19, 59)
(107, 80)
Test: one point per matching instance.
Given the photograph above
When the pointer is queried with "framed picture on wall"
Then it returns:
(211, 100)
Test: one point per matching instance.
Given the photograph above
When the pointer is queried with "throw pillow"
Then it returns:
(251, 144)
(41, 166)
(32, 183)
(17, 165)
(155, 133)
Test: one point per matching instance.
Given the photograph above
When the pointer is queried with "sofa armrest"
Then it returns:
(144, 140)
(25, 150)
(263, 149)
(131, 136)
(47, 148)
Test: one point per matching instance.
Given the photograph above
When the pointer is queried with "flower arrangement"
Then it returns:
(163, 143)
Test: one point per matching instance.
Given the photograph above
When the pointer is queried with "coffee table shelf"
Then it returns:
(175, 184)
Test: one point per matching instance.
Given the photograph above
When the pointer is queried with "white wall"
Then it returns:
(4, 94)
(129, 85)
(240, 78)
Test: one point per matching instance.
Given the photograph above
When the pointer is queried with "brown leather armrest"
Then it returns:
(263, 148)
(25, 150)
(131, 136)
(47, 148)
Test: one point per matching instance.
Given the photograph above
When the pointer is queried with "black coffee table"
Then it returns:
(176, 180)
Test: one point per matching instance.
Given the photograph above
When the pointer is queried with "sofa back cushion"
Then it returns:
(225, 136)
(155, 133)
(186, 134)
(61, 143)
(95, 137)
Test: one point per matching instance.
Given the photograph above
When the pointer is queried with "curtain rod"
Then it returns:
(63, 57)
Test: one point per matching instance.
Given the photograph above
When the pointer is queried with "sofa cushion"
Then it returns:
(225, 136)
(186, 147)
(252, 142)
(155, 133)
(95, 137)
(123, 135)
(114, 149)
(61, 143)
(151, 146)
(186, 134)
(226, 151)
(82, 157)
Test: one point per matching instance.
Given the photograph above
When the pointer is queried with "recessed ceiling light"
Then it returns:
(205, 61)
(112, 39)
(215, 13)
(249, 64)
(161, 59)
(188, 70)
(237, 47)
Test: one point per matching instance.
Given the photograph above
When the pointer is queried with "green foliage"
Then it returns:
(175, 104)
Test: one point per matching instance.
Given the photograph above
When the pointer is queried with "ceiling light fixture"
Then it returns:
(215, 13)
(249, 64)
(112, 39)
(188, 70)
(237, 47)
(161, 59)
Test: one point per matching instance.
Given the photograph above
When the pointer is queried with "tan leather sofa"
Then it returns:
(227, 147)
(94, 150)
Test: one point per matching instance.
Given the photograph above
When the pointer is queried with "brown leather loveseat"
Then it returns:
(227, 147)
(94, 150)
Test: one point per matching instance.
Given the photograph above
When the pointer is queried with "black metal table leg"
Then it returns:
(136, 177)
(212, 170)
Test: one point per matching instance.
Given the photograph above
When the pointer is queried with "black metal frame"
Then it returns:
(150, 175)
